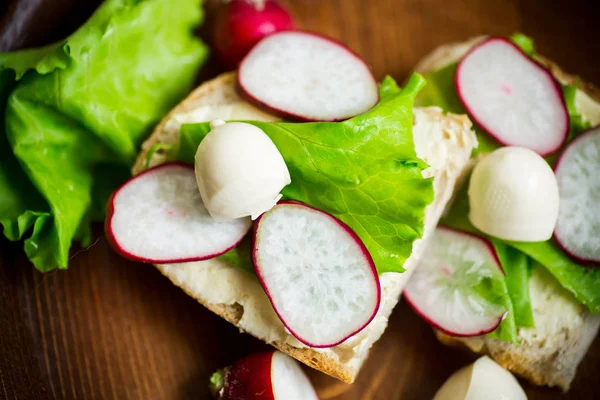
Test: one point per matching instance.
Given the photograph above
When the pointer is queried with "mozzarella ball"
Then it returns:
(513, 195)
(239, 170)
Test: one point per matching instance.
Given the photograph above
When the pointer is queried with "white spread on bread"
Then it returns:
(236, 111)
(587, 107)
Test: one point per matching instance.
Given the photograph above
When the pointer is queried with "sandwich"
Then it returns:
(553, 285)
(430, 145)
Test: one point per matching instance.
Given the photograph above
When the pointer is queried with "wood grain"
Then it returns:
(112, 329)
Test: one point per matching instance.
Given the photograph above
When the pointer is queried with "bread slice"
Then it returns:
(443, 141)
(549, 353)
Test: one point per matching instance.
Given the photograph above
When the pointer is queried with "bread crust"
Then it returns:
(535, 359)
(459, 142)
(570, 79)
(232, 313)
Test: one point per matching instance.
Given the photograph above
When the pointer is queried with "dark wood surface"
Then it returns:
(111, 329)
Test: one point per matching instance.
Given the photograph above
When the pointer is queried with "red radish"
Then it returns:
(158, 217)
(240, 24)
(578, 226)
(513, 98)
(271, 375)
(308, 77)
(318, 275)
(442, 290)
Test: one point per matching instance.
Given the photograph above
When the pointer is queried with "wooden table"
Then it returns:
(112, 329)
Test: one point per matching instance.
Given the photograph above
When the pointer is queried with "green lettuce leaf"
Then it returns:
(497, 292)
(583, 282)
(20, 203)
(517, 268)
(577, 123)
(364, 171)
(524, 42)
(76, 111)
(241, 255)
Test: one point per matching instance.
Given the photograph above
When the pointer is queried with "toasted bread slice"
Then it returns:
(549, 353)
(443, 141)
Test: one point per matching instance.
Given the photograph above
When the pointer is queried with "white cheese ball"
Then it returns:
(484, 379)
(239, 171)
(513, 195)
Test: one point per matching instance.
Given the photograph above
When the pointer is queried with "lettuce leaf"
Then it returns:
(584, 283)
(364, 171)
(524, 42)
(498, 294)
(577, 123)
(76, 111)
(517, 268)
(241, 255)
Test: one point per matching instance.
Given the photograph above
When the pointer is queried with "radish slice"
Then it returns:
(158, 217)
(266, 376)
(578, 227)
(512, 97)
(305, 76)
(318, 275)
(442, 289)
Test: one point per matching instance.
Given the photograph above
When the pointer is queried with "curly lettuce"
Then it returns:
(76, 111)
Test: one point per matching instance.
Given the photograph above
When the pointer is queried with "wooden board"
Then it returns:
(112, 329)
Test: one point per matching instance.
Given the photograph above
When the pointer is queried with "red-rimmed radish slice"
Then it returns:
(577, 174)
(513, 98)
(317, 273)
(305, 76)
(270, 375)
(158, 217)
(442, 290)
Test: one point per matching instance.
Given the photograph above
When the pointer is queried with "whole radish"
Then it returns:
(271, 375)
(240, 24)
